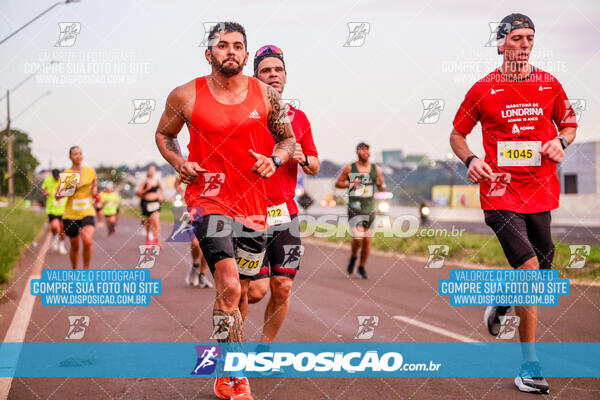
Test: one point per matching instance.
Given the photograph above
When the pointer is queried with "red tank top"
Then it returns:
(220, 136)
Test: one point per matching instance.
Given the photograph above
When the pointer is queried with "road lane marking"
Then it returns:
(18, 327)
(435, 329)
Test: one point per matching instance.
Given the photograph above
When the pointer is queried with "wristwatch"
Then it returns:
(276, 161)
(307, 161)
(563, 142)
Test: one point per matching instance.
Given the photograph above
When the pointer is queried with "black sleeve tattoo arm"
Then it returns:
(280, 127)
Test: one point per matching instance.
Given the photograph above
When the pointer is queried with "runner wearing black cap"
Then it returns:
(520, 109)
(361, 178)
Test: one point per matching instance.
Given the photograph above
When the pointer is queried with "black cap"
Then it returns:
(361, 145)
(507, 25)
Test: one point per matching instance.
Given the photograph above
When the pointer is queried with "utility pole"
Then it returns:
(9, 152)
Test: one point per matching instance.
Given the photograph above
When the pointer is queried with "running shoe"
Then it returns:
(55, 244)
(61, 248)
(148, 241)
(241, 389)
(530, 379)
(204, 282)
(193, 278)
(222, 387)
(362, 273)
(491, 318)
(158, 243)
(350, 268)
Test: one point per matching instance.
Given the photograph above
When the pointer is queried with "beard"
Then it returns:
(226, 70)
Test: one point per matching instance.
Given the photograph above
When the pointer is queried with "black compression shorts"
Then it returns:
(523, 236)
(284, 250)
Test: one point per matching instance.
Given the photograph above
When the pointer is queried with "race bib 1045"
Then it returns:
(519, 153)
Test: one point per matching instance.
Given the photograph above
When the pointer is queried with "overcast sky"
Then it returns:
(414, 50)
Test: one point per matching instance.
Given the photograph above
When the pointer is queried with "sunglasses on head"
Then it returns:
(268, 49)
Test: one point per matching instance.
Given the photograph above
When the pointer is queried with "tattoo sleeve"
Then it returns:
(169, 148)
(279, 123)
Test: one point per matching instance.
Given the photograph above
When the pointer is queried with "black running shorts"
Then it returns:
(221, 237)
(72, 227)
(284, 250)
(523, 236)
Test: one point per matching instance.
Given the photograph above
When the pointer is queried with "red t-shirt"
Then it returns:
(220, 137)
(281, 187)
(526, 111)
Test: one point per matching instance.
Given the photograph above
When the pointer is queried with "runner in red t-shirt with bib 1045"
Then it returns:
(520, 109)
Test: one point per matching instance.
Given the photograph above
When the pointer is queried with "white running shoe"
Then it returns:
(61, 248)
(193, 277)
(55, 244)
(204, 282)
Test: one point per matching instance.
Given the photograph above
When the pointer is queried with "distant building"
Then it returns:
(392, 158)
(580, 170)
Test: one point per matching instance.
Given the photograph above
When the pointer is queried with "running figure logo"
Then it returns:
(221, 325)
(68, 183)
(183, 229)
(207, 359)
(366, 326)
(68, 33)
(292, 255)
(437, 255)
(509, 324)
(361, 189)
(293, 103)
(148, 256)
(142, 109)
(579, 253)
(432, 109)
(212, 183)
(495, 29)
(357, 34)
(498, 184)
(77, 326)
(207, 28)
(573, 110)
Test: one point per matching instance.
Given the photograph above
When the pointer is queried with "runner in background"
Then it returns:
(361, 178)
(54, 210)
(284, 248)
(526, 122)
(79, 216)
(197, 275)
(98, 207)
(151, 195)
(110, 207)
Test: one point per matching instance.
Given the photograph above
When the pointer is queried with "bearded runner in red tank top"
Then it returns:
(231, 118)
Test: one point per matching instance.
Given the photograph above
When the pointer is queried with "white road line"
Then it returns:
(20, 322)
(435, 329)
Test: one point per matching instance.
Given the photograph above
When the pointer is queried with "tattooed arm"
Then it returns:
(279, 125)
(171, 122)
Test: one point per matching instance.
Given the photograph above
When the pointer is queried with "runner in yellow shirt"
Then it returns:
(79, 215)
(55, 209)
(110, 207)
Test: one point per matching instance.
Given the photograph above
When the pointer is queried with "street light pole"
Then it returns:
(9, 152)
(38, 16)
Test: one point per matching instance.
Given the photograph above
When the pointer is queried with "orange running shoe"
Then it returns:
(223, 387)
(241, 389)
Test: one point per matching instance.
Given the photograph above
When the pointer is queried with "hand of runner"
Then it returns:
(553, 150)
(264, 166)
(355, 183)
(299, 154)
(189, 171)
(479, 171)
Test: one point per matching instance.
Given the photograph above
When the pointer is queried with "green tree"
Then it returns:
(24, 163)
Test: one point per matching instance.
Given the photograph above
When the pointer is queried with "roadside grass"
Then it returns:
(468, 248)
(18, 228)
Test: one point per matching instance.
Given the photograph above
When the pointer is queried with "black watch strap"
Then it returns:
(307, 163)
(469, 159)
(563, 141)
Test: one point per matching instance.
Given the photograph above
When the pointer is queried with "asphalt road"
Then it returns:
(325, 305)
